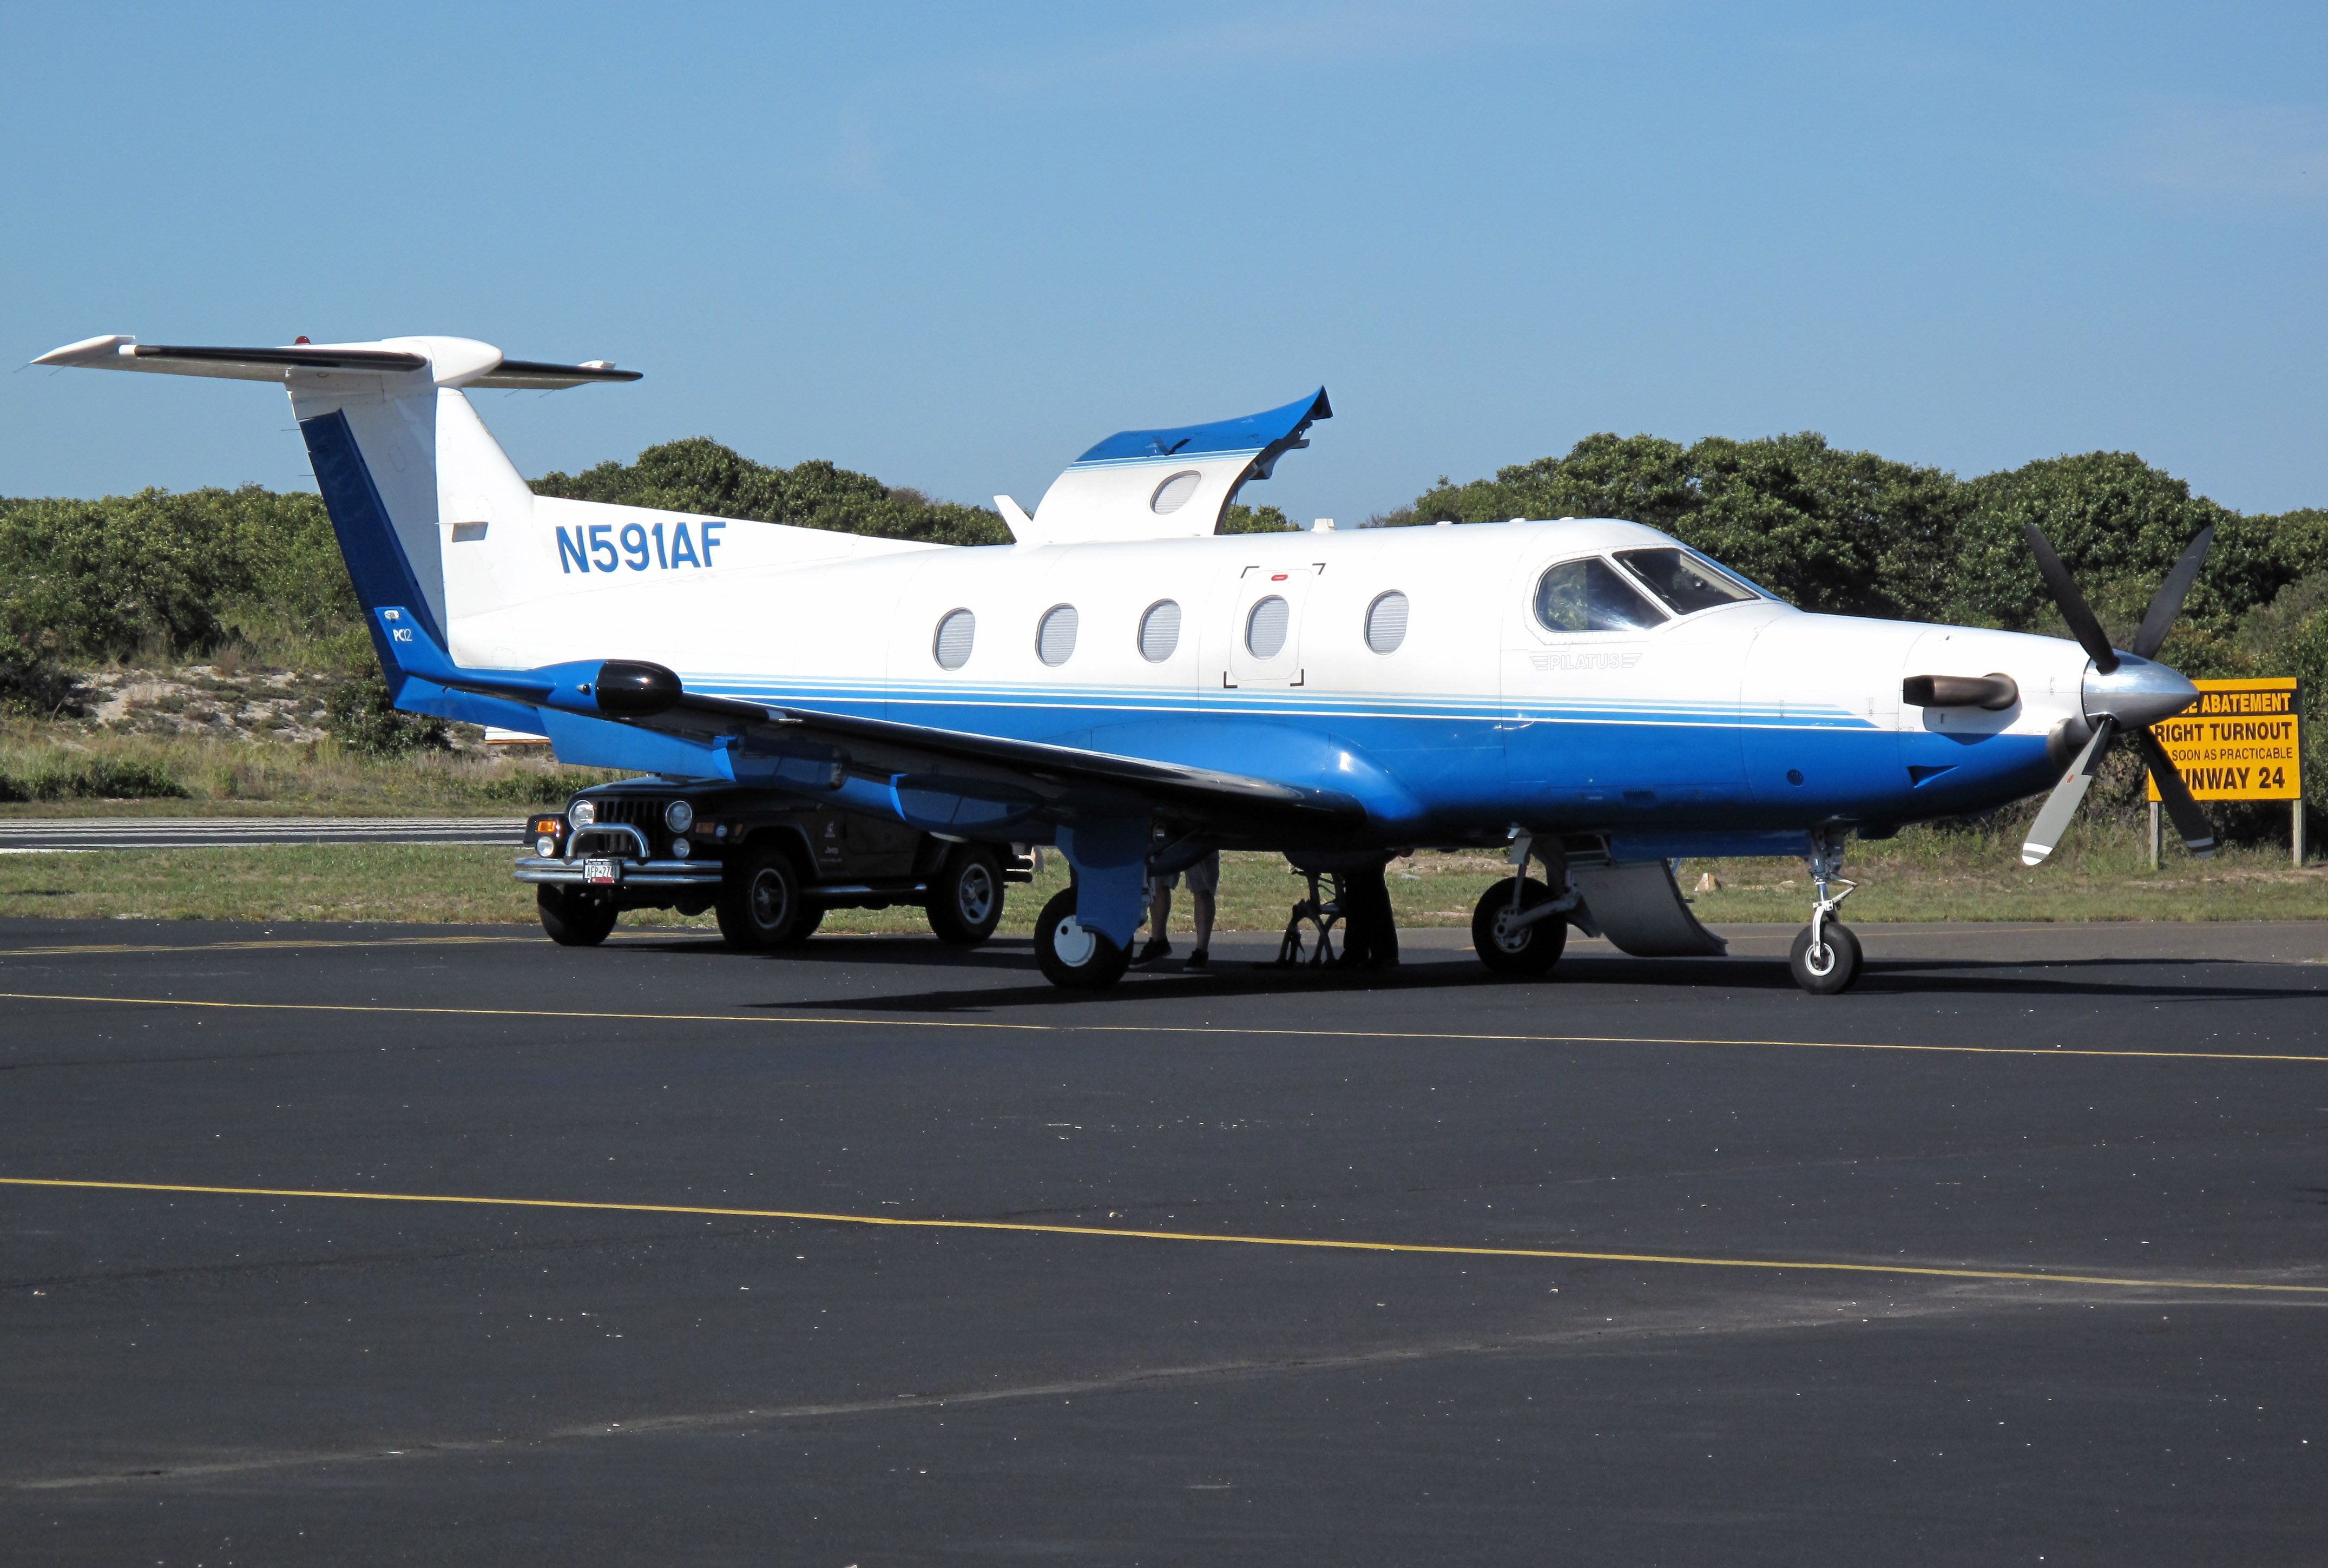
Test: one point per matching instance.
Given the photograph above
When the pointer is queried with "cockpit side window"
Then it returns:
(1687, 583)
(1592, 595)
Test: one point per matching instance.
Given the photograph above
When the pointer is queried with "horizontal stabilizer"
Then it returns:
(450, 361)
(550, 377)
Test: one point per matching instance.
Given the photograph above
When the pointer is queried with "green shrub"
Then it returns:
(108, 778)
(528, 787)
(700, 475)
(359, 717)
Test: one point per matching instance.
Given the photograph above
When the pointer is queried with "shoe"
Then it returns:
(1156, 948)
(1198, 959)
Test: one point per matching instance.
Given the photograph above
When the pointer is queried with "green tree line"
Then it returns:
(1853, 533)
(169, 576)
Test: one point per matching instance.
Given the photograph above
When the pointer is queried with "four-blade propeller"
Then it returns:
(2127, 704)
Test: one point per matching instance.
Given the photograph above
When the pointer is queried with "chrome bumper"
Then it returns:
(636, 873)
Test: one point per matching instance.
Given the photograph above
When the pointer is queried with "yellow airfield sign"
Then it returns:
(2237, 742)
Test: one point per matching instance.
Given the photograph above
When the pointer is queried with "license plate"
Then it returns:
(602, 871)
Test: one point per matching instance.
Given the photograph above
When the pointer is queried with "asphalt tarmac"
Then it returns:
(402, 1244)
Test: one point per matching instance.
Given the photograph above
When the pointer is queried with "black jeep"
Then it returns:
(770, 863)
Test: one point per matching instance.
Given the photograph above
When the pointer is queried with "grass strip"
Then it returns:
(1915, 878)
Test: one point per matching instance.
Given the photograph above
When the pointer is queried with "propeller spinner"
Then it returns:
(2123, 693)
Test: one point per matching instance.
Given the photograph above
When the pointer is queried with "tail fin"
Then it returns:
(404, 464)
(435, 522)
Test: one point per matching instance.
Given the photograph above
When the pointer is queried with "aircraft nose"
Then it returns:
(2137, 693)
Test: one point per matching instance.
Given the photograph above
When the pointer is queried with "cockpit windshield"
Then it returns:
(1592, 595)
(1687, 583)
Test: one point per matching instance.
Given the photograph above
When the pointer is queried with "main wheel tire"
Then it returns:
(1832, 970)
(1074, 957)
(966, 896)
(574, 919)
(760, 905)
(1508, 949)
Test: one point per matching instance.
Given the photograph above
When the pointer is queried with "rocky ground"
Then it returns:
(231, 704)
(228, 700)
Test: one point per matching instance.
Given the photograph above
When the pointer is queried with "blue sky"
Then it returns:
(953, 246)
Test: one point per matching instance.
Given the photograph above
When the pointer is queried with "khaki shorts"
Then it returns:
(1204, 876)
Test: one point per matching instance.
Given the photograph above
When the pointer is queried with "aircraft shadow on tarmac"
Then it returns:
(1963, 977)
(919, 952)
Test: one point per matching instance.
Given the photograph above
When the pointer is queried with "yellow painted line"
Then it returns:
(573, 1015)
(1113, 1233)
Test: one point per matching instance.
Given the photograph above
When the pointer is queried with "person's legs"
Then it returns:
(1159, 920)
(1385, 926)
(1203, 881)
(1373, 939)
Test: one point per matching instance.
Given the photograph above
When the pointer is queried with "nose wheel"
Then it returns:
(1826, 957)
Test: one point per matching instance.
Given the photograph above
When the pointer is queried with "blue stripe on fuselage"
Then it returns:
(1463, 759)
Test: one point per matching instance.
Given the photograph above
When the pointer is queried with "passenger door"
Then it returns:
(1264, 633)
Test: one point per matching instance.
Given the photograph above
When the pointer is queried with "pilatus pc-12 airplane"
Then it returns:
(1124, 684)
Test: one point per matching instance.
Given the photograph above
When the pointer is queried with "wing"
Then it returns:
(937, 779)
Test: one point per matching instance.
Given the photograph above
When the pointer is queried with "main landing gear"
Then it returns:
(1520, 926)
(1825, 958)
(1073, 956)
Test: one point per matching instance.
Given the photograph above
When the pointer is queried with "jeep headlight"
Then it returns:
(678, 816)
(582, 813)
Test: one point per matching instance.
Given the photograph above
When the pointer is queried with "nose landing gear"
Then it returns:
(1825, 958)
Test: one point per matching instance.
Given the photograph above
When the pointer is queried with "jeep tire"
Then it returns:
(760, 902)
(574, 917)
(966, 896)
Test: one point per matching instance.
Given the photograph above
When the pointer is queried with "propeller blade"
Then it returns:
(2198, 833)
(2053, 820)
(2072, 604)
(2168, 601)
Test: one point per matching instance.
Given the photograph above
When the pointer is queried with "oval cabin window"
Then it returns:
(1055, 640)
(955, 635)
(1175, 493)
(1160, 631)
(1264, 628)
(1386, 623)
